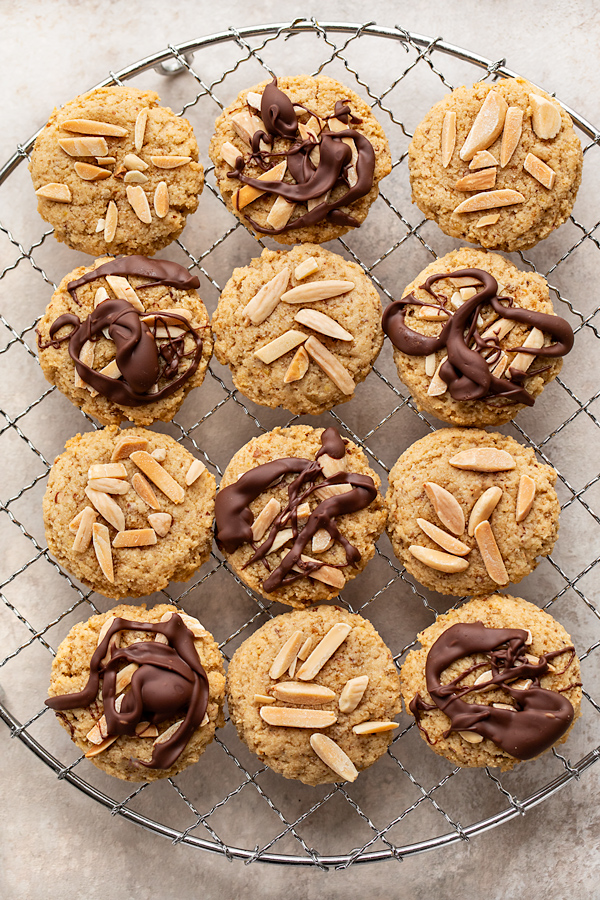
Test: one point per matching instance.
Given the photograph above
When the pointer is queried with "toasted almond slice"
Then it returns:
(333, 756)
(292, 668)
(194, 472)
(74, 523)
(303, 511)
(483, 459)
(109, 485)
(447, 507)
(161, 478)
(169, 316)
(107, 470)
(298, 367)
(430, 365)
(197, 629)
(124, 677)
(86, 355)
(111, 221)
(330, 465)
(254, 99)
(103, 550)
(144, 491)
(145, 730)
(139, 203)
(124, 291)
(288, 717)
(465, 281)
(352, 693)
(87, 517)
(111, 370)
(321, 541)
(437, 385)
(522, 684)
(480, 180)
(160, 522)
(107, 507)
(230, 153)
(262, 304)
(247, 194)
(448, 137)
(445, 540)
(60, 193)
(159, 454)
(546, 120)
(280, 212)
(282, 537)
(100, 748)
(286, 654)
(85, 146)
(91, 126)
(470, 737)
(431, 314)
(483, 159)
(374, 727)
(133, 162)
(305, 268)
(486, 127)
(140, 128)
(484, 679)
(317, 290)
(304, 651)
(135, 177)
(280, 346)
(135, 537)
(489, 200)
(316, 201)
(492, 558)
(484, 507)
(168, 734)
(513, 126)
(246, 125)
(330, 365)
(503, 706)
(106, 160)
(323, 652)
(104, 630)
(498, 329)
(100, 225)
(435, 559)
(538, 169)
(265, 518)
(170, 162)
(491, 219)
(99, 731)
(525, 497)
(332, 490)
(324, 324)
(263, 699)
(88, 172)
(173, 331)
(303, 694)
(125, 446)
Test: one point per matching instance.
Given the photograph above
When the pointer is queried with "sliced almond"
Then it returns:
(333, 756)
(327, 574)
(135, 537)
(139, 131)
(127, 445)
(173, 331)
(144, 490)
(280, 212)
(287, 717)
(170, 162)
(159, 454)
(86, 356)
(111, 370)
(446, 541)
(525, 497)
(303, 511)
(133, 162)
(169, 316)
(280, 346)
(321, 541)
(263, 699)
(489, 200)
(483, 459)
(99, 732)
(491, 219)
(161, 478)
(492, 558)
(124, 291)
(545, 119)
(437, 385)
(292, 668)
(332, 490)
(107, 507)
(470, 737)
(330, 365)
(298, 367)
(538, 169)
(483, 508)
(464, 281)
(160, 522)
(483, 159)
(88, 172)
(100, 225)
(60, 193)
(139, 203)
(197, 629)
(281, 538)
(432, 314)
(168, 734)
(194, 472)
(265, 518)
(374, 727)
(480, 180)
(83, 537)
(303, 694)
(435, 559)
(447, 507)
(74, 523)
(91, 126)
(246, 125)
(498, 329)
(324, 650)
(102, 549)
(513, 126)
(431, 366)
(352, 693)
(109, 485)
(324, 324)
(522, 684)
(107, 470)
(317, 290)
(448, 137)
(124, 677)
(305, 268)
(486, 127)
(85, 146)
(304, 651)
(484, 679)
(286, 654)
(100, 748)
(145, 730)
(503, 706)
(230, 153)
(247, 194)
(254, 99)
(262, 304)
(313, 202)
(111, 221)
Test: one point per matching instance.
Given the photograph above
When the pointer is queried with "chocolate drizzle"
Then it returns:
(234, 518)
(170, 682)
(540, 717)
(466, 371)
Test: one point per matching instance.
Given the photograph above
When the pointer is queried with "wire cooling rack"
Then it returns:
(411, 800)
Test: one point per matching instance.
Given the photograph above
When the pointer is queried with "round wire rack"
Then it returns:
(411, 800)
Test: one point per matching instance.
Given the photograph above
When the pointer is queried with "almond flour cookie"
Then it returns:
(126, 338)
(298, 329)
(306, 156)
(470, 510)
(126, 512)
(496, 164)
(140, 692)
(475, 339)
(116, 173)
(496, 682)
(313, 693)
(298, 513)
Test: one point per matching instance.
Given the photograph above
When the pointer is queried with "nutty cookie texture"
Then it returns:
(475, 339)
(313, 693)
(496, 164)
(298, 513)
(140, 692)
(116, 173)
(470, 510)
(495, 682)
(126, 512)
(298, 329)
(299, 158)
(126, 338)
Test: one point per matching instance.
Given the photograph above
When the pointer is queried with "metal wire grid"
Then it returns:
(415, 786)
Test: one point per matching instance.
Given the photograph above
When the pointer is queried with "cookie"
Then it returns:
(299, 687)
(298, 513)
(126, 512)
(305, 156)
(126, 338)
(495, 682)
(496, 164)
(463, 336)
(470, 510)
(284, 345)
(140, 692)
(116, 173)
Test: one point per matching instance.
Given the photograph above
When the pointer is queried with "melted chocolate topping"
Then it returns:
(540, 717)
(466, 371)
(170, 682)
(162, 271)
(234, 518)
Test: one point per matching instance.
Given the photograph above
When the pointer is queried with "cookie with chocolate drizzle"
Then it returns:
(476, 339)
(299, 158)
(495, 682)
(298, 513)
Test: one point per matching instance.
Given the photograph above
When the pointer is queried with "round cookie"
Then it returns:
(257, 688)
(527, 149)
(457, 338)
(116, 173)
(115, 301)
(155, 525)
(533, 691)
(304, 379)
(326, 185)
(297, 514)
(155, 671)
(469, 510)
